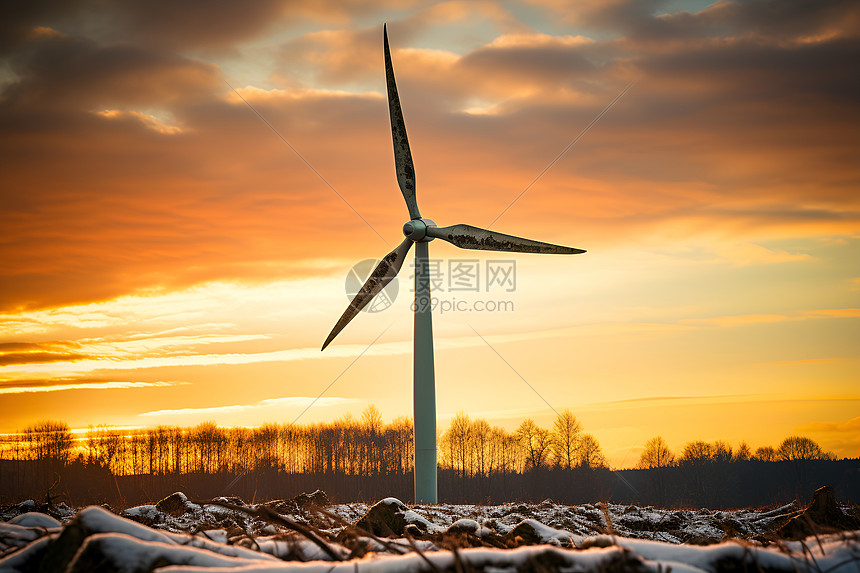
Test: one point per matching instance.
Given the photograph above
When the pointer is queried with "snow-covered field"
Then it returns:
(308, 534)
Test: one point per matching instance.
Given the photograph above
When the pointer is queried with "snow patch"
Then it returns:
(35, 519)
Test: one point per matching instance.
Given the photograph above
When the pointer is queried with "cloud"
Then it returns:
(63, 384)
(836, 436)
(146, 119)
(269, 404)
(103, 75)
(12, 353)
(851, 426)
(836, 313)
(194, 359)
(772, 18)
(38, 357)
(214, 26)
(750, 319)
(11, 346)
(745, 254)
(20, 22)
(740, 320)
(648, 20)
(677, 401)
(535, 61)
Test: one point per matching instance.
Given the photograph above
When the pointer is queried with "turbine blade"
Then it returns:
(383, 274)
(469, 237)
(402, 155)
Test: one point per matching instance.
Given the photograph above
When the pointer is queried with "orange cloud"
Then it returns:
(60, 385)
(851, 426)
(837, 312)
(743, 320)
(146, 119)
(258, 407)
(835, 436)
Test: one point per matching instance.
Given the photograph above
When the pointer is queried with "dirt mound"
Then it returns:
(385, 519)
(822, 516)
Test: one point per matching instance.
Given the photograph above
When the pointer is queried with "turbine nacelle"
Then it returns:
(416, 230)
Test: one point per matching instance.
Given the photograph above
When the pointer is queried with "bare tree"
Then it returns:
(481, 433)
(590, 453)
(566, 439)
(401, 441)
(721, 452)
(696, 460)
(656, 454)
(209, 447)
(696, 453)
(765, 454)
(743, 453)
(795, 448)
(656, 457)
(371, 418)
(50, 441)
(536, 442)
(105, 446)
(456, 443)
(265, 440)
(371, 429)
(503, 451)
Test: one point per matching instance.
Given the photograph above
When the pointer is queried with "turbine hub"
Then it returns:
(416, 230)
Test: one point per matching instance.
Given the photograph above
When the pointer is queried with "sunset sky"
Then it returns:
(166, 259)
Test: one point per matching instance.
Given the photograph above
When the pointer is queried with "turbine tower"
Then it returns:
(421, 231)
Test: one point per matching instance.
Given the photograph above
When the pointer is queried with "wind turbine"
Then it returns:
(421, 231)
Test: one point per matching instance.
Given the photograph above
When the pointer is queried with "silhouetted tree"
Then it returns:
(796, 448)
(765, 454)
(799, 451)
(721, 452)
(656, 454)
(743, 453)
(104, 447)
(536, 443)
(590, 453)
(481, 435)
(694, 459)
(456, 441)
(696, 453)
(657, 457)
(371, 429)
(566, 439)
(400, 437)
(49, 441)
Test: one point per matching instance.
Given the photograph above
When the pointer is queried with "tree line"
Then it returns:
(362, 458)
(349, 446)
(657, 453)
(709, 470)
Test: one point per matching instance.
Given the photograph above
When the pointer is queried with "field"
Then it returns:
(306, 533)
